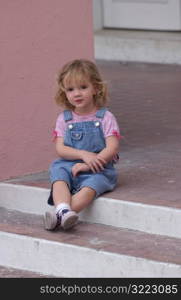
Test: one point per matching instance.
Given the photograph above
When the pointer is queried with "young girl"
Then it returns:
(87, 142)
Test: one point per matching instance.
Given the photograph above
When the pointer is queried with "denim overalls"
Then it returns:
(88, 136)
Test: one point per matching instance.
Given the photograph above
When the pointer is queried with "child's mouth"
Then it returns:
(78, 101)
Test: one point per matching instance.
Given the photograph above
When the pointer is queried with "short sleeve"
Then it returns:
(110, 125)
(60, 126)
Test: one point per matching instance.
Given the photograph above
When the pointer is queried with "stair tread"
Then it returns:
(138, 46)
(139, 34)
(8, 272)
(95, 236)
(137, 194)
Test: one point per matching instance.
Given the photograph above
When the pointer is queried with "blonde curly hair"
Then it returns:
(80, 71)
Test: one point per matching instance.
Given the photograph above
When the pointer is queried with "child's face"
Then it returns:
(80, 95)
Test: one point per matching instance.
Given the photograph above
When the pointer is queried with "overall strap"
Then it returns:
(67, 115)
(101, 112)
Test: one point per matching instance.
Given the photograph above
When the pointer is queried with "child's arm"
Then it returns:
(108, 153)
(111, 149)
(79, 167)
(94, 162)
(67, 152)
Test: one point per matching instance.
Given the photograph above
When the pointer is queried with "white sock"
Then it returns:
(60, 207)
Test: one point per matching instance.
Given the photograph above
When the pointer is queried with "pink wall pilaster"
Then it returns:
(36, 38)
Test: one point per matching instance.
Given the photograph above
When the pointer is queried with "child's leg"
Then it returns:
(64, 216)
(61, 193)
(82, 199)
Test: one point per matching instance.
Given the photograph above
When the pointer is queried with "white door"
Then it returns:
(143, 14)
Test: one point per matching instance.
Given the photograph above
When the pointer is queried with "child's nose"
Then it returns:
(76, 92)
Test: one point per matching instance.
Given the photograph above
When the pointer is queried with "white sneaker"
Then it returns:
(69, 219)
(51, 221)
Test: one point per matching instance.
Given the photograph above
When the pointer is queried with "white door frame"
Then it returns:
(98, 15)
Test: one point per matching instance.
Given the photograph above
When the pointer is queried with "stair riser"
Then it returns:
(61, 260)
(137, 216)
(137, 50)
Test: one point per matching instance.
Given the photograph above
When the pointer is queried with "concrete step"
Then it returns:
(154, 219)
(87, 250)
(8, 272)
(138, 46)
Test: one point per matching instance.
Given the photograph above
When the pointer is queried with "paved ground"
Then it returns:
(147, 102)
(146, 99)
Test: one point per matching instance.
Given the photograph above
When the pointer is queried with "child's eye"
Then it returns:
(83, 87)
(69, 89)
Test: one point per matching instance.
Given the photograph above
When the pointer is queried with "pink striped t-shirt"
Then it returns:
(109, 123)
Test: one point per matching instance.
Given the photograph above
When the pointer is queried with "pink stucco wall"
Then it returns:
(36, 38)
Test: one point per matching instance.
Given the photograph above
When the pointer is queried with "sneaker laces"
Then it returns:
(59, 216)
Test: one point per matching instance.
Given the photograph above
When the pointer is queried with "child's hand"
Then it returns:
(79, 167)
(94, 161)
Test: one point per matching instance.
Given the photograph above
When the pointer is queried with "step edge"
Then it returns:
(145, 50)
(162, 269)
(137, 216)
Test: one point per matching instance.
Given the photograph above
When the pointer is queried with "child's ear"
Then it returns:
(95, 90)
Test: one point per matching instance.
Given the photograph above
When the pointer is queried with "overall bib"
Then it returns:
(88, 136)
